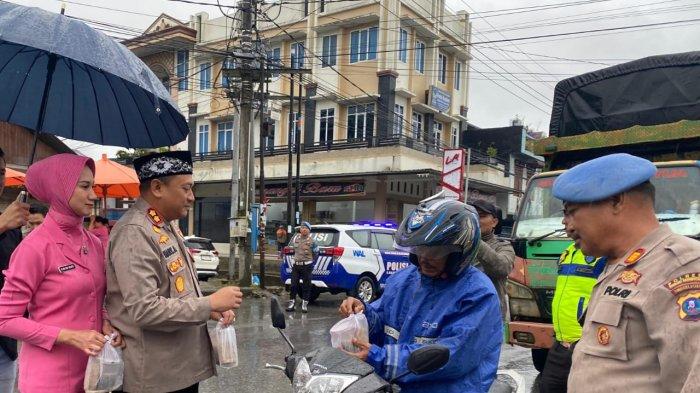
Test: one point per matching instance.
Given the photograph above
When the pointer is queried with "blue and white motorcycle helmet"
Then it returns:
(441, 226)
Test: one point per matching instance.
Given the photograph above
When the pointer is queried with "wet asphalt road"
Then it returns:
(260, 343)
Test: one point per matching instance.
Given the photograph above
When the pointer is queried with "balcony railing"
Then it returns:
(477, 157)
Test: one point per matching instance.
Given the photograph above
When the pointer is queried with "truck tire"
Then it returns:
(365, 289)
(539, 358)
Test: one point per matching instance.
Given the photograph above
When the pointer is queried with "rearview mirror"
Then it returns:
(428, 359)
(277, 314)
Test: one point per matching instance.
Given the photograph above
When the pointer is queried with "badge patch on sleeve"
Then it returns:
(603, 335)
(164, 239)
(689, 306)
(180, 284)
(175, 265)
(629, 276)
(686, 282)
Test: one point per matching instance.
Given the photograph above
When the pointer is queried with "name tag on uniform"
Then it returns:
(65, 268)
(170, 251)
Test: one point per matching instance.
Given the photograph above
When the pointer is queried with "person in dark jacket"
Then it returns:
(495, 256)
(11, 220)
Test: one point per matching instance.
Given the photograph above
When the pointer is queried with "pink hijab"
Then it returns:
(53, 180)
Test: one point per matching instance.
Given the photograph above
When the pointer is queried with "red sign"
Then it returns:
(453, 173)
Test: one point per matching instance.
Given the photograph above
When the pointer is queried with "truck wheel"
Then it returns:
(539, 358)
(366, 289)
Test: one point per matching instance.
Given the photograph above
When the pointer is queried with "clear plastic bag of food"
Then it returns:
(353, 327)
(226, 345)
(105, 372)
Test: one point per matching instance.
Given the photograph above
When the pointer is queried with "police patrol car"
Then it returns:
(356, 259)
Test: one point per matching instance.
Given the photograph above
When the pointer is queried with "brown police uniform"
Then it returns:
(642, 327)
(154, 299)
(303, 266)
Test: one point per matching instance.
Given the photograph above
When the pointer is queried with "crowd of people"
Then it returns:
(66, 287)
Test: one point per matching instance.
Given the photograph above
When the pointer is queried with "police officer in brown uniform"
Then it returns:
(495, 256)
(305, 250)
(153, 294)
(642, 326)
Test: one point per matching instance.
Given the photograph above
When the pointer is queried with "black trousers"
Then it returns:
(303, 272)
(192, 389)
(556, 369)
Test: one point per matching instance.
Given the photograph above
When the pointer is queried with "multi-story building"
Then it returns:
(386, 93)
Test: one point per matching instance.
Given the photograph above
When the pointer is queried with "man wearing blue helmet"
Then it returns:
(642, 326)
(442, 299)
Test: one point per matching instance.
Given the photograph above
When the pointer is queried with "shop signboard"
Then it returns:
(452, 181)
(440, 99)
(318, 189)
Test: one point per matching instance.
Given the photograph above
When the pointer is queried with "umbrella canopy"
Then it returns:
(113, 180)
(62, 77)
(13, 178)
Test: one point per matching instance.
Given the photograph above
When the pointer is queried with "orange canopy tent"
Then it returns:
(113, 180)
(13, 178)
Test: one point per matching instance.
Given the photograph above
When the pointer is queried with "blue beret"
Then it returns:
(602, 178)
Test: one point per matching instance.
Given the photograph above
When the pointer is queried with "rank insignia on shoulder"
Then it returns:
(603, 334)
(154, 217)
(180, 284)
(634, 256)
(164, 239)
(629, 276)
(686, 282)
(689, 306)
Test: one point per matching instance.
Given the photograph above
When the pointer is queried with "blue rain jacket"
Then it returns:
(461, 313)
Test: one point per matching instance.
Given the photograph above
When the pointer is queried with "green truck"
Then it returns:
(650, 123)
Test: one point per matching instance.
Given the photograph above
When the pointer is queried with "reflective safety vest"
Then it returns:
(577, 276)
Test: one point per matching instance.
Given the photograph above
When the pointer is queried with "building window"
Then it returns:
(363, 45)
(326, 128)
(458, 75)
(322, 8)
(442, 70)
(403, 45)
(205, 76)
(224, 135)
(298, 55)
(398, 119)
(270, 138)
(455, 137)
(417, 125)
(183, 59)
(273, 60)
(306, 7)
(203, 139)
(360, 122)
(420, 57)
(228, 64)
(296, 128)
(437, 134)
(330, 48)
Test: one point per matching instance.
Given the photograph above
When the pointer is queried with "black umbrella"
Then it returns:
(62, 77)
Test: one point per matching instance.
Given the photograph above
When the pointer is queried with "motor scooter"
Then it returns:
(330, 370)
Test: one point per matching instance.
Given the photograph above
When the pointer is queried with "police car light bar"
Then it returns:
(377, 224)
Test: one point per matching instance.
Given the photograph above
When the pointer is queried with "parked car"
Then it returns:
(356, 259)
(206, 258)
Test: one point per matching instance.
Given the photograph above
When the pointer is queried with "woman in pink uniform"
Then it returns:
(57, 274)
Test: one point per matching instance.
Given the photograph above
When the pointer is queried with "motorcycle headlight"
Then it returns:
(302, 375)
(329, 383)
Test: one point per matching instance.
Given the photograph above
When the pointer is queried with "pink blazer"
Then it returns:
(61, 288)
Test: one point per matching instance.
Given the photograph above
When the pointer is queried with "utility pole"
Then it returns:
(241, 258)
(290, 210)
(297, 144)
(264, 133)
